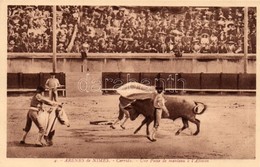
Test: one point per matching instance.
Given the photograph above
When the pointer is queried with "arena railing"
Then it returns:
(133, 55)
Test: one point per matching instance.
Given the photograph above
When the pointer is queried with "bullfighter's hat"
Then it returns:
(159, 89)
(40, 89)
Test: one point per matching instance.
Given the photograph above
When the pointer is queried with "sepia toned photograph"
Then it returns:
(124, 83)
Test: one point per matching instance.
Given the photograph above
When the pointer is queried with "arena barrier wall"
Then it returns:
(28, 82)
(204, 82)
(200, 72)
(83, 84)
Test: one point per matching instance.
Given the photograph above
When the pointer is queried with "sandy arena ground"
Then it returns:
(227, 131)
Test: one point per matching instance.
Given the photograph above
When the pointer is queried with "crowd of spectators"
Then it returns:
(30, 28)
(113, 29)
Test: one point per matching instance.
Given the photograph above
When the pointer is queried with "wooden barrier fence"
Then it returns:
(200, 82)
(172, 82)
(28, 82)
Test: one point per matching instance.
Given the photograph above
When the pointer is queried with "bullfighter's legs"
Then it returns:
(50, 94)
(39, 140)
(197, 122)
(55, 95)
(185, 125)
(154, 133)
(22, 141)
(39, 125)
(158, 115)
(27, 128)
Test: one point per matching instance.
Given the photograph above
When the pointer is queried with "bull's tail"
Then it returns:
(196, 108)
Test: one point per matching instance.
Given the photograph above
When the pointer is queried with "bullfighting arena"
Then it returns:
(227, 131)
(84, 51)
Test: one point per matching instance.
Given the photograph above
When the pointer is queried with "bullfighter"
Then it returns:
(33, 115)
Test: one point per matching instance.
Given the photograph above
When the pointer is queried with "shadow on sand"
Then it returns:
(17, 144)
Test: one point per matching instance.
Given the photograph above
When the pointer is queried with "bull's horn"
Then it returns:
(195, 109)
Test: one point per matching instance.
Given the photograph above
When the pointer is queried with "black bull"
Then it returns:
(177, 107)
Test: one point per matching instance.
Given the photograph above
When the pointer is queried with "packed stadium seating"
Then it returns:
(30, 28)
(113, 29)
(202, 34)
